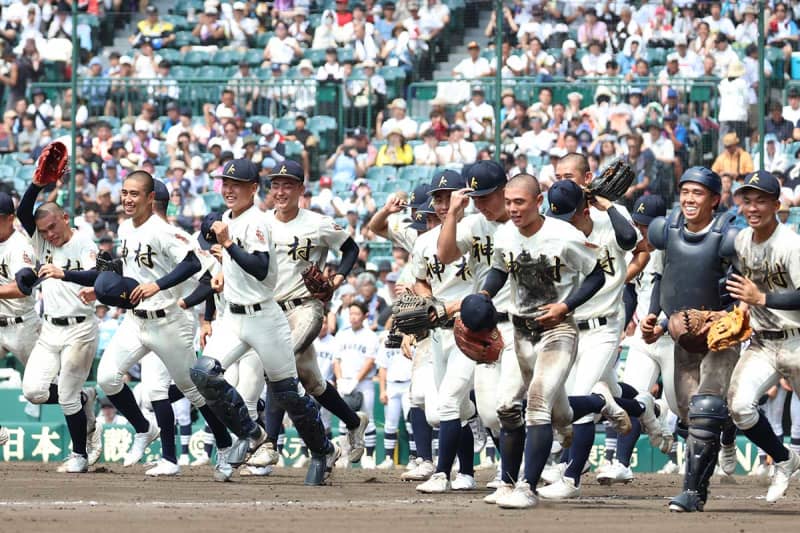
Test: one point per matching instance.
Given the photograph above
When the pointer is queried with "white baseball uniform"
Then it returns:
(398, 381)
(19, 323)
(325, 347)
(353, 350)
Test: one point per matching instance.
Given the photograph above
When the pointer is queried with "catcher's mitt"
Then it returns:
(613, 182)
(394, 339)
(480, 346)
(415, 315)
(317, 283)
(51, 163)
(106, 263)
(729, 330)
(690, 327)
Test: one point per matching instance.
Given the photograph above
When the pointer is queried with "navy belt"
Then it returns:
(237, 309)
(501, 317)
(10, 321)
(527, 323)
(138, 313)
(778, 335)
(288, 305)
(64, 320)
(592, 323)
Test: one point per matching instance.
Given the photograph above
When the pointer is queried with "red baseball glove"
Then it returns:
(51, 164)
(317, 283)
(480, 346)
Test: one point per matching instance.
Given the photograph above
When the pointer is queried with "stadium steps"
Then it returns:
(457, 53)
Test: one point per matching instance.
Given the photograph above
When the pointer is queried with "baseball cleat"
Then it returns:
(94, 445)
(255, 455)
(265, 455)
(437, 484)
(256, 471)
(237, 453)
(164, 468)
(615, 414)
(667, 437)
(140, 442)
(614, 473)
(368, 462)
(355, 438)
(184, 460)
(413, 462)
(223, 469)
(300, 462)
(688, 501)
(478, 434)
(602, 467)
(760, 470)
(727, 459)
(563, 489)
(553, 472)
(500, 492)
(422, 472)
(3, 436)
(669, 468)
(386, 464)
(74, 464)
(783, 473)
(463, 482)
(650, 423)
(521, 497)
(321, 466)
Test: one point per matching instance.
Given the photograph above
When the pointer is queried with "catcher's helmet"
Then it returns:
(704, 176)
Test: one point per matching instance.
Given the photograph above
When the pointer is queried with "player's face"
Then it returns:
(238, 195)
(697, 203)
(441, 203)
(642, 229)
(522, 206)
(759, 208)
(567, 170)
(431, 221)
(356, 318)
(136, 202)
(54, 228)
(6, 226)
(286, 193)
(492, 206)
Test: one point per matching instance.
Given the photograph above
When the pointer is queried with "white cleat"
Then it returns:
(355, 438)
(727, 459)
(387, 464)
(164, 468)
(184, 460)
(760, 470)
(94, 445)
(463, 482)
(563, 489)
(502, 491)
(74, 464)
(521, 497)
(3, 436)
(615, 414)
(257, 453)
(497, 482)
(437, 484)
(422, 472)
(552, 473)
(602, 467)
(783, 473)
(202, 460)
(257, 471)
(669, 468)
(265, 455)
(650, 423)
(223, 469)
(413, 462)
(616, 472)
(140, 442)
(368, 462)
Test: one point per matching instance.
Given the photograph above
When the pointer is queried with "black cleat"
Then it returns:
(321, 466)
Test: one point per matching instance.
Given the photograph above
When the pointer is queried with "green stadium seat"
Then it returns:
(210, 72)
(7, 172)
(377, 248)
(254, 57)
(414, 173)
(182, 72)
(380, 197)
(195, 58)
(396, 185)
(225, 58)
(25, 173)
(262, 39)
(213, 201)
(185, 38)
(172, 55)
(179, 22)
(315, 55)
(381, 174)
(294, 149)
(113, 122)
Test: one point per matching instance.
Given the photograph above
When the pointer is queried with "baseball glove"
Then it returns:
(729, 330)
(690, 328)
(51, 163)
(394, 339)
(317, 283)
(613, 182)
(416, 315)
(480, 346)
(106, 263)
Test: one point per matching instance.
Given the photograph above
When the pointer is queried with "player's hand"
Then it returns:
(407, 345)
(394, 205)
(51, 271)
(649, 322)
(218, 282)
(87, 295)
(459, 201)
(205, 333)
(552, 314)
(337, 280)
(654, 335)
(744, 290)
(216, 251)
(181, 304)
(143, 292)
(220, 229)
(602, 204)
(384, 398)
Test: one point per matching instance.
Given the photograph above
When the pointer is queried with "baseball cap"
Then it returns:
(26, 280)
(161, 192)
(398, 102)
(446, 180)
(6, 204)
(206, 237)
(763, 181)
(114, 290)
(326, 182)
(419, 220)
(95, 61)
(794, 92)
(484, 177)
(647, 208)
(672, 93)
(428, 208)
(288, 169)
(477, 312)
(392, 277)
(240, 170)
(151, 9)
(419, 196)
(564, 197)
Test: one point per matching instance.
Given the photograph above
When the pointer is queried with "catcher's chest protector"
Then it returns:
(693, 269)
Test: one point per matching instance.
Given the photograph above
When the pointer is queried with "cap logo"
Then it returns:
(640, 209)
(753, 179)
(413, 198)
(231, 169)
(553, 208)
(418, 217)
(473, 183)
(283, 170)
(442, 181)
(123, 295)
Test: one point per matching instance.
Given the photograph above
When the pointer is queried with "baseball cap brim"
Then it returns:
(289, 176)
(566, 217)
(418, 226)
(481, 192)
(746, 186)
(644, 220)
(235, 178)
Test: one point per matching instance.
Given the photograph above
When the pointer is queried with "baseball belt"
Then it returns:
(288, 305)
(10, 321)
(64, 320)
(592, 323)
(778, 335)
(160, 313)
(501, 317)
(528, 324)
(238, 309)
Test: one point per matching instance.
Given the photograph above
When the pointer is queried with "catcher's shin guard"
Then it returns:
(302, 411)
(223, 400)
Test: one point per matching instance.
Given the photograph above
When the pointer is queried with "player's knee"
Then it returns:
(70, 404)
(110, 378)
(206, 379)
(743, 411)
(34, 392)
(312, 381)
(510, 417)
(707, 413)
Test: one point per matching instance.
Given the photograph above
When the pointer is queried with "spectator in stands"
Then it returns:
(343, 13)
(111, 181)
(396, 152)
(344, 162)
(145, 62)
(457, 150)
(142, 146)
(569, 66)
(643, 163)
(305, 137)
(594, 63)
(377, 309)
(398, 120)
(331, 70)
(281, 49)
(165, 89)
(329, 203)
(704, 42)
(724, 55)
(473, 66)
(364, 45)
(7, 142)
(510, 28)
(227, 108)
(159, 32)
(734, 160)
(521, 165)
(40, 108)
(592, 29)
(361, 200)
(324, 34)
(747, 30)
(240, 28)
(719, 24)
(777, 124)
(733, 101)
(685, 23)
(689, 65)
(679, 138)
(791, 112)
(535, 27)
(782, 30)
(385, 23)
(28, 138)
(476, 112)
(95, 87)
(106, 209)
(399, 51)
(631, 51)
(435, 17)
(425, 153)
(209, 29)
(537, 140)
(658, 143)
(272, 147)
(775, 159)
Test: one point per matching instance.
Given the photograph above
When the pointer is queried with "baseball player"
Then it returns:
(62, 357)
(394, 376)
(698, 246)
(248, 281)
(563, 273)
(302, 238)
(766, 281)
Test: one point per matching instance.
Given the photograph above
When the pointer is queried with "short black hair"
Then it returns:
(361, 306)
(144, 177)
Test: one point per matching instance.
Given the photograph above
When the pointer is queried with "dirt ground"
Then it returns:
(33, 497)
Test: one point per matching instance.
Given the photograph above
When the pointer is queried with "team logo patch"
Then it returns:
(640, 209)
(442, 181)
(260, 236)
(26, 258)
(473, 183)
(182, 238)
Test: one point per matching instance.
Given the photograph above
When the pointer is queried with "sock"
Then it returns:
(221, 435)
(512, 447)
(728, 436)
(449, 439)
(612, 443)
(281, 439)
(126, 405)
(762, 436)
(628, 392)
(582, 441)
(389, 444)
(174, 394)
(585, 405)
(186, 437)
(762, 457)
(412, 442)
(673, 452)
(491, 443)
(564, 459)
(76, 424)
(52, 398)
(165, 417)
(369, 439)
(208, 440)
(538, 441)
(794, 444)
(273, 422)
(626, 443)
(423, 433)
(333, 402)
(435, 441)
(632, 407)
(466, 452)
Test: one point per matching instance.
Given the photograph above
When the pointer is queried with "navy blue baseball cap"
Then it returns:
(419, 196)
(26, 280)
(419, 221)
(427, 208)
(6, 204)
(484, 177)
(477, 312)
(160, 190)
(647, 208)
(240, 170)
(206, 237)
(446, 180)
(763, 181)
(114, 290)
(288, 169)
(564, 198)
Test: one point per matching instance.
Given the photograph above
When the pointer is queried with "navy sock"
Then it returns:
(273, 418)
(762, 436)
(538, 440)
(626, 443)
(449, 439)
(582, 441)
(186, 435)
(729, 433)
(466, 452)
(333, 402)
(76, 424)
(423, 433)
(512, 447)
(52, 397)
(126, 405)
(628, 392)
(165, 417)
(221, 435)
(584, 405)
(174, 393)
(564, 459)
(632, 407)
(611, 438)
